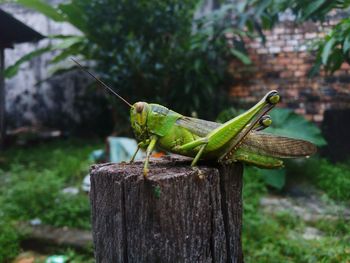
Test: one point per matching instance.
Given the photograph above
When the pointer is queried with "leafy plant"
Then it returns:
(70, 211)
(288, 123)
(333, 50)
(334, 179)
(31, 194)
(155, 51)
(31, 186)
(9, 241)
(279, 237)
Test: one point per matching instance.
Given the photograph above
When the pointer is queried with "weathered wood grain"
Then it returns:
(179, 214)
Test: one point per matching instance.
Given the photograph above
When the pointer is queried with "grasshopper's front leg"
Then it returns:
(148, 154)
(142, 145)
(263, 123)
(134, 155)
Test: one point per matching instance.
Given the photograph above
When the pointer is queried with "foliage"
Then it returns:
(286, 123)
(31, 186)
(35, 194)
(275, 178)
(66, 158)
(338, 227)
(334, 179)
(269, 239)
(266, 238)
(70, 211)
(31, 194)
(156, 51)
(333, 50)
(315, 10)
(9, 239)
(278, 238)
(253, 189)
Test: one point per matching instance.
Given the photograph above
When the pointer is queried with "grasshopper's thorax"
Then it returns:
(151, 119)
(138, 118)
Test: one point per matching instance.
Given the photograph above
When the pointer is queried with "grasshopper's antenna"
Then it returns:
(103, 84)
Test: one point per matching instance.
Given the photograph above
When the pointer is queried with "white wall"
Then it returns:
(28, 99)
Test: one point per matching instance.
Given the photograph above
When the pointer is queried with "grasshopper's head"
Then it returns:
(138, 117)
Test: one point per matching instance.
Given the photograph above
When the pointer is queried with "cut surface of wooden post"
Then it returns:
(177, 214)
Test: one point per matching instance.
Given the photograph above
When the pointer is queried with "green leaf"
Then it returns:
(274, 178)
(68, 42)
(75, 16)
(336, 60)
(315, 69)
(55, 71)
(326, 51)
(13, 69)
(73, 50)
(241, 56)
(43, 8)
(312, 7)
(346, 44)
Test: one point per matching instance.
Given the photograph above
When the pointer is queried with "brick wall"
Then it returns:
(283, 64)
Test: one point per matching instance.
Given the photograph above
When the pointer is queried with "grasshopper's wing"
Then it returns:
(258, 142)
(277, 146)
(197, 126)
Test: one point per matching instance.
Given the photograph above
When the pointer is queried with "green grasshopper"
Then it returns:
(237, 140)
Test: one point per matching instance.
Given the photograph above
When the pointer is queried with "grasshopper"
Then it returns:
(237, 140)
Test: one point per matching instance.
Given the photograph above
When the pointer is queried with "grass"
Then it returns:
(68, 159)
(332, 178)
(279, 238)
(31, 181)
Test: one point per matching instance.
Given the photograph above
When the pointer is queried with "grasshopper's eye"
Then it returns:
(139, 107)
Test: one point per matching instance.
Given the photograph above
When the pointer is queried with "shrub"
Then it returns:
(334, 179)
(156, 51)
(30, 186)
(9, 241)
(28, 194)
(70, 211)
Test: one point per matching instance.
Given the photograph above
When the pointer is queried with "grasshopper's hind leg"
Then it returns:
(232, 131)
(247, 156)
(264, 122)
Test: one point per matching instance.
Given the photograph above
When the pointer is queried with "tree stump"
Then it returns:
(177, 214)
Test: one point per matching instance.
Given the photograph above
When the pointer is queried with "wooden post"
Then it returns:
(178, 214)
